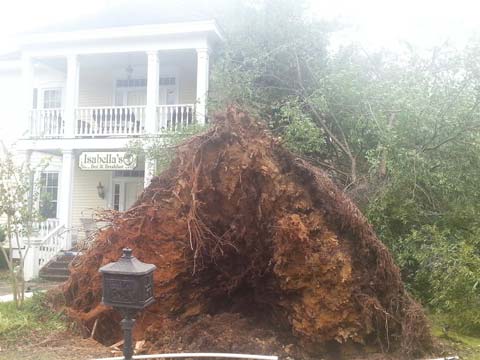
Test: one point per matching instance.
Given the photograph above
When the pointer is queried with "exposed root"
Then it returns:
(243, 232)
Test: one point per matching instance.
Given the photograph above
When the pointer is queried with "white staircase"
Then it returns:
(50, 240)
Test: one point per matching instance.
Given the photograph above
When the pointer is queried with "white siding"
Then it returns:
(96, 87)
(85, 197)
(187, 85)
(12, 122)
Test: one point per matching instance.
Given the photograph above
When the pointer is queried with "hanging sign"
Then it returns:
(107, 161)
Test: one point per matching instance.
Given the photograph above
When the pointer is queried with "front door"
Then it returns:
(131, 97)
(125, 193)
(168, 95)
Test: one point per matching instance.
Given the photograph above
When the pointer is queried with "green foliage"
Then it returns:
(299, 131)
(442, 268)
(161, 147)
(35, 316)
(399, 132)
(3, 260)
(18, 193)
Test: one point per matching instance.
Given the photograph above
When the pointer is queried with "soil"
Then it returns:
(55, 346)
(255, 249)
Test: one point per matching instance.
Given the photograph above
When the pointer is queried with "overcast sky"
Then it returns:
(374, 23)
(387, 23)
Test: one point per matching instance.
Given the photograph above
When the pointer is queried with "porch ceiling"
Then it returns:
(178, 57)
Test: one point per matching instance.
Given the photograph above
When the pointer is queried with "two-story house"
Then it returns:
(82, 96)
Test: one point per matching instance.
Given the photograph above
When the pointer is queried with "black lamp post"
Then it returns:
(128, 287)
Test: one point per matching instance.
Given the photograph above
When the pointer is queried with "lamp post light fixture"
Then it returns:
(128, 287)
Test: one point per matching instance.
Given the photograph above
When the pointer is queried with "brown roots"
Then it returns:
(247, 236)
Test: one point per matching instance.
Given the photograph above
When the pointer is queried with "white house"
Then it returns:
(81, 96)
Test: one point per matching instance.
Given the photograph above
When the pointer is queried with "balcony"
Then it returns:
(47, 123)
(110, 121)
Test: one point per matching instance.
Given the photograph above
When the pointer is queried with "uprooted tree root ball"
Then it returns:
(250, 239)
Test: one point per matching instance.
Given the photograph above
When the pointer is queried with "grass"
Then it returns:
(35, 318)
(466, 346)
(35, 332)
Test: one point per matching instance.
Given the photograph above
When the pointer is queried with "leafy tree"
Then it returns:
(399, 132)
(18, 194)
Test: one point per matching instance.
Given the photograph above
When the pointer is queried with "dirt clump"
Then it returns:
(249, 237)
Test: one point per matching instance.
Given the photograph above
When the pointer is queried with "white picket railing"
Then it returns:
(175, 117)
(43, 228)
(111, 120)
(40, 250)
(47, 123)
(51, 245)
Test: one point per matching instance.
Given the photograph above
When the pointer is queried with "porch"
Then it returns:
(107, 121)
(116, 95)
(73, 188)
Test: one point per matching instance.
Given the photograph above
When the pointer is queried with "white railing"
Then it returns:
(47, 122)
(51, 245)
(43, 228)
(41, 250)
(175, 117)
(112, 120)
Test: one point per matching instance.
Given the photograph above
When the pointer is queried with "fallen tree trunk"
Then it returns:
(255, 249)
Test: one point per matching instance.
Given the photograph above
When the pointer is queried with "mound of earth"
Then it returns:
(255, 240)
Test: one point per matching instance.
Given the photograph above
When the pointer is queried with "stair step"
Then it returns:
(54, 271)
(59, 278)
(57, 268)
(65, 258)
(58, 265)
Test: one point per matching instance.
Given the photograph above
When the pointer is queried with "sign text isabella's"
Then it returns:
(107, 161)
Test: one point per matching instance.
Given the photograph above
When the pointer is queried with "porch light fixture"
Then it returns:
(128, 287)
(100, 190)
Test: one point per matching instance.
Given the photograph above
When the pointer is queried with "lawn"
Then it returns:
(37, 333)
(455, 343)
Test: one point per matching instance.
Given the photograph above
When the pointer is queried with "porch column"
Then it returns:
(71, 96)
(150, 169)
(31, 268)
(27, 84)
(66, 193)
(202, 84)
(153, 79)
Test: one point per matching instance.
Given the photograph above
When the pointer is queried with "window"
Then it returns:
(52, 98)
(132, 83)
(167, 81)
(128, 173)
(116, 197)
(49, 194)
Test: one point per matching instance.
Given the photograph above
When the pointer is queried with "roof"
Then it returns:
(131, 13)
(125, 19)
